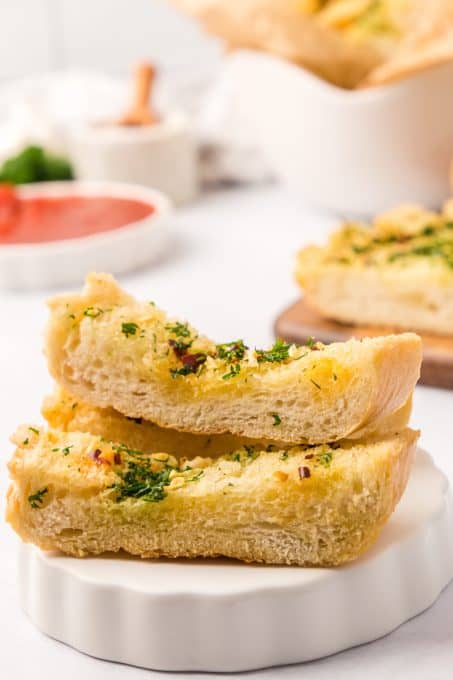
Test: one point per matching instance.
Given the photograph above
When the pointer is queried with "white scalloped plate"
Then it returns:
(217, 615)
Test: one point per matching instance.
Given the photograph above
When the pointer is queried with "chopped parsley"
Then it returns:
(25, 442)
(277, 419)
(232, 351)
(139, 481)
(315, 384)
(284, 455)
(129, 328)
(65, 451)
(36, 499)
(234, 370)
(181, 330)
(34, 429)
(310, 342)
(180, 346)
(277, 353)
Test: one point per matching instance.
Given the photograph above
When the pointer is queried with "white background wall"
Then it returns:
(108, 35)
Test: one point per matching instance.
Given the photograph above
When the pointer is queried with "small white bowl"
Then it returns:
(355, 151)
(162, 156)
(55, 263)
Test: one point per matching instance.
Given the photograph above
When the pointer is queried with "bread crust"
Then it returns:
(336, 392)
(64, 412)
(317, 506)
(395, 273)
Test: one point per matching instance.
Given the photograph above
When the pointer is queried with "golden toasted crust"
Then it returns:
(397, 272)
(110, 351)
(319, 506)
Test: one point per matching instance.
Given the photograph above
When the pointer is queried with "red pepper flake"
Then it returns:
(304, 472)
(117, 458)
(192, 361)
(309, 456)
(96, 455)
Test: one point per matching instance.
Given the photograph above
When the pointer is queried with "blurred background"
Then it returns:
(106, 35)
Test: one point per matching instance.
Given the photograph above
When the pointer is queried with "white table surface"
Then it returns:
(229, 270)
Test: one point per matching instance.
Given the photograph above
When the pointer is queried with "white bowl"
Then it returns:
(162, 156)
(350, 151)
(55, 263)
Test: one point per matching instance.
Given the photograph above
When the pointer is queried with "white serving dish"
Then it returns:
(224, 616)
(162, 156)
(55, 263)
(352, 152)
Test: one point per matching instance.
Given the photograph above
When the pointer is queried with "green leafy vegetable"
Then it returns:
(34, 164)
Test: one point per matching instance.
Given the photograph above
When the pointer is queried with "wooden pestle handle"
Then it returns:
(144, 77)
(141, 113)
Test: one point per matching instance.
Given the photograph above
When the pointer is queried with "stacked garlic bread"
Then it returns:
(396, 272)
(161, 442)
(111, 351)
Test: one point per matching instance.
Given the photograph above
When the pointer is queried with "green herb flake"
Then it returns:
(315, 384)
(277, 419)
(284, 455)
(276, 354)
(36, 499)
(26, 442)
(232, 351)
(137, 480)
(129, 328)
(181, 330)
(65, 451)
(234, 370)
(34, 429)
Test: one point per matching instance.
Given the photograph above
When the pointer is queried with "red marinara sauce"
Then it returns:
(46, 218)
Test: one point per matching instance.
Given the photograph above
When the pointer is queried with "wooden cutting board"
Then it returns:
(299, 322)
